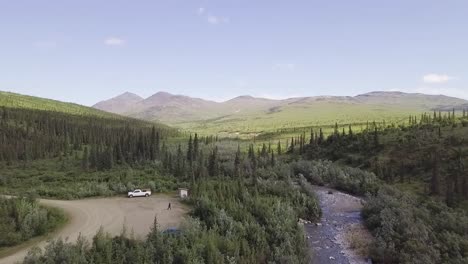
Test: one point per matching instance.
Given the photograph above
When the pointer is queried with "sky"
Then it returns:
(85, 51)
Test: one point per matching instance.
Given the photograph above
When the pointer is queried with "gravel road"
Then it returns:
(87, 216)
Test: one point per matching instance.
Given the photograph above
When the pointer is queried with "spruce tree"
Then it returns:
(321, 137)
(195, 147)
(213, 163)
(190, 150)
(272, 159)
(85, 159)
(237, 161)
(312, 140)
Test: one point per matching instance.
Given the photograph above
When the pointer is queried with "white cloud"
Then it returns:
(284, 66)
(114, 41)
(212, 19)
(45, 44)
(436, 78)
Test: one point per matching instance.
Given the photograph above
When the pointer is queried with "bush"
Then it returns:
(412, 231)
(23, 218)
(351, 180)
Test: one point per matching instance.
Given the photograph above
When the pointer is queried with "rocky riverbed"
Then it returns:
(340, 236)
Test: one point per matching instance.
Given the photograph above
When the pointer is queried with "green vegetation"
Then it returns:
(13, 100)
(292, 119)
(411, 229)
(23, 218)
(425, 221)
(347, 179)
(233, 222)
(247, 196)
(430, 153)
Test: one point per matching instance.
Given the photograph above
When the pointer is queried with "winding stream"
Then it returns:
(329, 239)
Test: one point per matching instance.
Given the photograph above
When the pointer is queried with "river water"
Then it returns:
(328, 238)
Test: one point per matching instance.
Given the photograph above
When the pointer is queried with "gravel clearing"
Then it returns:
(87, 216)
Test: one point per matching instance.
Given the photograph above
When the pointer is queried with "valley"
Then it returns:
(90, 158)
(247, 116)
(233, 132)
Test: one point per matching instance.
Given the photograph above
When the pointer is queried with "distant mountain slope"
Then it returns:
(171, 108)
(423, 101)
(247, 114)
(119, 104)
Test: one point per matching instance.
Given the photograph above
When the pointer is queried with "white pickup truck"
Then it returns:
(139, 193)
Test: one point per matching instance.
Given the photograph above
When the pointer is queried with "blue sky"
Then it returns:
(86, 51)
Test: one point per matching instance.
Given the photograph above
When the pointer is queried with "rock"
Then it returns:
(318, 224)
(332, 258)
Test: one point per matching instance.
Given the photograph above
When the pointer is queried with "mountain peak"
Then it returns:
(242, 97)
(162, 93)
(129, 95)
(119, 104)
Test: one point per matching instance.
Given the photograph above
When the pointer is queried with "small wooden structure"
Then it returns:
(183, 192)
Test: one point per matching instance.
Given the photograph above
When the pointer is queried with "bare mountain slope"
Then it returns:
(119, 104)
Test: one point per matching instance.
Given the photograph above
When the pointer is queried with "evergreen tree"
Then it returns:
(85, 159)
(321, 137)
(190, 150)
(153, 144)
(237, 161)
(213, 167)
(264, 150)
(195, 147)
(376, 138)
(272, 159)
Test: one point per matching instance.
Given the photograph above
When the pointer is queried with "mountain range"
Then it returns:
(247, 113)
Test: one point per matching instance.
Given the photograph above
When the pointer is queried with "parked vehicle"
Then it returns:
(139, 193)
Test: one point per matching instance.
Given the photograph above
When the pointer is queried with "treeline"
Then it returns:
(23, 218)
(430, 151)
(233, 221)
(34, 134)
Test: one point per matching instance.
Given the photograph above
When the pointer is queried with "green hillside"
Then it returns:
(296, 116)
(14, 100)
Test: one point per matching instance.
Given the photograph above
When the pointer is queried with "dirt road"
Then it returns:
(87, 216)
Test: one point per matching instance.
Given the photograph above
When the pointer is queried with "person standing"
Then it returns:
(169, 207)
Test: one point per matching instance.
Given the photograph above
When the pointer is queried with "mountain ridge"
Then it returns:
(247, 112)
